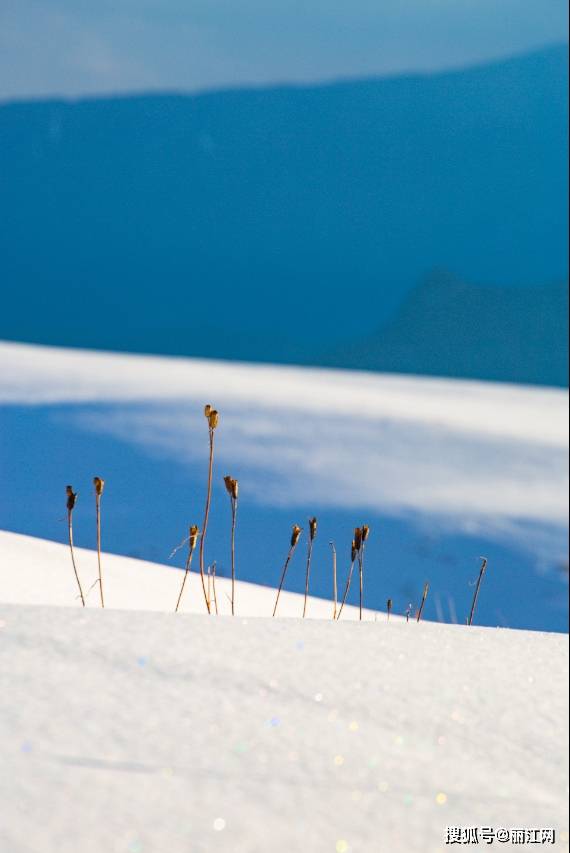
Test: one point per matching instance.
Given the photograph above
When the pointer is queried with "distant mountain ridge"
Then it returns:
(277, 224)
(449, 328)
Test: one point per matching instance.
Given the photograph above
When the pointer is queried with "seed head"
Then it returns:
(295, 535)
(99, 486)
(312, 528)
(213, 419)
(193, 538)
(357, 538)
(231, 487)
(353, 551)
(71, 497)
(207, 410)
(365, 530)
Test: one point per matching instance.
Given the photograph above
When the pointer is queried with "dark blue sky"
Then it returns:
(75, 47)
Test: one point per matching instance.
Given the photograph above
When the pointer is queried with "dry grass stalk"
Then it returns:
(214, 588)
(312, 534)
(232, 489)
(477, 588)
(334, 578)
(71, 498)
(424, 596)
(296, 533)
(353, 556)
(192, 540)
(364, 533)
(99, 485)
(213, 419)
(389, 607)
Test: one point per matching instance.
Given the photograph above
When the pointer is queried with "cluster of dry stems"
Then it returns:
(208, 577)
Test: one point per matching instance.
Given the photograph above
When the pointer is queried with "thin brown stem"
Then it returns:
(307, 572)
(70, 531)
(361, 576)
(334, 579)
(282, 581)
(477, 588)
(346, 589)
(206, 516)
(424, 596)
(186, 571)
(214, 588)
(234, 514)
(98, 519)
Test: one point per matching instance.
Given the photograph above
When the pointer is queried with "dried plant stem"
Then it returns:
(98, 520)
(234, 515)
(307, 573)
(334, 579)
(283, 573)
(361, 577)
(346, 589)
(186, 572)
(214, 588)
(70, 531)
(477, 588)
(206, 516)
(209, 599)
(424, 596)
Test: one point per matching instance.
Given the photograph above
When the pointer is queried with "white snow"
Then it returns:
(474, 455)
(143, 732)
(36, 571)
(132, 731)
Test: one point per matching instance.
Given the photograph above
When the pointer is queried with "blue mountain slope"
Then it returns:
(277, 223)
(449, 328)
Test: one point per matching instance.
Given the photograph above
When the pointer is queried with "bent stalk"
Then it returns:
(71, 498)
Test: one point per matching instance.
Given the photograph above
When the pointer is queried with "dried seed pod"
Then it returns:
(99, 485)
(71, 497)
(312, 528)
(213, 419)
(357, 538)
(364, 530)
(231, 487)
(193, 538)
(295, 535)
(207, 410)
(353, 551)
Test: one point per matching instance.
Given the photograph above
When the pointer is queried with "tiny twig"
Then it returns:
(476, 594)
(312, 534)
(214, 588)
(294, 539)
(424, 596)
(334, 579)
(389, 607)
(212, 417)
(99, 486)
(232, 488)
(71, 498)
(191, 539)
(347, 587)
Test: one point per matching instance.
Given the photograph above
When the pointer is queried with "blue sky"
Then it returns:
(76, 47)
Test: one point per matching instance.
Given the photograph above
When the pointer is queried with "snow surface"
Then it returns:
(124, 731)
(141, 732)
(36, 571)
(439, 445)
(442, 470)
